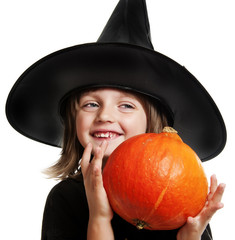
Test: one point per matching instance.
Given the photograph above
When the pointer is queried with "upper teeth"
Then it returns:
(104, 135)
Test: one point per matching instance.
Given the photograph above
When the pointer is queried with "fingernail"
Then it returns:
(98, 148)
(221, 205)
(104, 143)
(89, 145)
(213, 175)
(223, 185)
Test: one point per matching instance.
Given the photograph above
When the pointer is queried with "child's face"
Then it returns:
(109, 114)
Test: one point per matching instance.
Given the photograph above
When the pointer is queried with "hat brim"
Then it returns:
(33, 104)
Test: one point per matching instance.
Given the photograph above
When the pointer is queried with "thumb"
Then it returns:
(192, 223)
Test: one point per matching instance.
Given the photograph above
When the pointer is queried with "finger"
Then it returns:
(214, 183)
(95, 168)
(217, 197)
(96, 165)
(214, 204)
(103, 147)
(86, 158)
(213, 186)
(97, 161)
(191, 220)
(99, 154)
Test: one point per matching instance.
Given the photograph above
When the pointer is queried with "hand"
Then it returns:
(99, 208)
(194, 227)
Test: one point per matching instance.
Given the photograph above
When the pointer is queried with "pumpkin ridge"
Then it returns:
(163, 192)
(160, 198)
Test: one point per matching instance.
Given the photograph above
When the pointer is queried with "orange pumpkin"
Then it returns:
(155, 181)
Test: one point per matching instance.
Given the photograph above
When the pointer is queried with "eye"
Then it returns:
(127, 107)
(90, 106)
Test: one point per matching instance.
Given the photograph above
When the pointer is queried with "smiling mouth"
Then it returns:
(106, 135)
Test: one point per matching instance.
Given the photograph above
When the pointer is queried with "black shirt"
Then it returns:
(66, 217)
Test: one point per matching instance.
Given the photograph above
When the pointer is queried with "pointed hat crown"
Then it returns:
(128, 24)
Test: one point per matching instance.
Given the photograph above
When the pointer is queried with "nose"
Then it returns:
(105, 114)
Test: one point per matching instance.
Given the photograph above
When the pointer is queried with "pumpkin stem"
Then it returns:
(140, 224)
(169, 130)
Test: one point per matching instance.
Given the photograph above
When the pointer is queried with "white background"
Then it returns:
(197, 34)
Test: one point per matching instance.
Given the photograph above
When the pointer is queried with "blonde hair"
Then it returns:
(72, 150)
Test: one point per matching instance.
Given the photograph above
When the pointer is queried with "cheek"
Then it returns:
(136, 126)
(143, 122)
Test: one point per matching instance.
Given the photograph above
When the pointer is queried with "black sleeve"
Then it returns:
(66, 213)
(207, 235)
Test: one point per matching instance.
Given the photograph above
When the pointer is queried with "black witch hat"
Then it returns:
(123, 57)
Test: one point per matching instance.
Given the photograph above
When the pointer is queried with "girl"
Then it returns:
(90, 98)
(105, 117)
